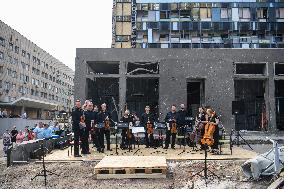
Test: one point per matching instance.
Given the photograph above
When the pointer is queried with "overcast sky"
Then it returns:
(61, 26)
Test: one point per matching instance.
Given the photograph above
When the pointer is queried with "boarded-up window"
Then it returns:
(205, 13)
(226, 13)
(280, 13)
(244, 13)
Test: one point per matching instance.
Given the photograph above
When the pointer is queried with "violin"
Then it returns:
(174, 127)
(82, 124)
(150, 129)
(106, 123)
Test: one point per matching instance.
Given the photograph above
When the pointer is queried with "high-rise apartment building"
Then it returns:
(198, 24)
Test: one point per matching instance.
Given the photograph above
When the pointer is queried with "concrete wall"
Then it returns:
(8, 123)
(215, 66)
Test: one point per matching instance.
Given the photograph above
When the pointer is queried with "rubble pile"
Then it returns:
(80, 175)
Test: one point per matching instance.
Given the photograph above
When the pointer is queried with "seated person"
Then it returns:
(47, 132)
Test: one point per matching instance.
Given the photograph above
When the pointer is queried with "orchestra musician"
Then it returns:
(182, 113)
(77, 114)
(171, 121)
(91, 121)
(199, 125)
(94, 130)
(213, 119)
(104, 117)
(127, 136)
(147, 120)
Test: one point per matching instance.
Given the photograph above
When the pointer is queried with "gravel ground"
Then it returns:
(80, 175)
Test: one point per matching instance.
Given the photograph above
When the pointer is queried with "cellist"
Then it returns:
(211, 134)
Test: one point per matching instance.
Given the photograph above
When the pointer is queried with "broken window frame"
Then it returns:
(141, 68)
(264, 71)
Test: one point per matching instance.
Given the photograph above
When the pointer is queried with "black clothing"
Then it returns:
(127, 140)
(103, 132)
(89, 117)
(14, 134)
(93, 131)
(149, 138)
(181, 114)
(170, 118)
(200, 128)
(216, 136)
(76, 116)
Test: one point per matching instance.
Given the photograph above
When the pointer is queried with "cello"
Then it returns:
(209, 131)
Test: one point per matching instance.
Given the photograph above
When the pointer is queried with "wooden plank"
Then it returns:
(132, 162)
(276, 183)
(130, 176)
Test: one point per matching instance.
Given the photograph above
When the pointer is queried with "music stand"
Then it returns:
(205, 170)
(43, 173)
(184, 133)
(237, 110)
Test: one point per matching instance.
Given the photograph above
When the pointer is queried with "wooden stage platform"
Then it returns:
(120, 167)
(170, 154)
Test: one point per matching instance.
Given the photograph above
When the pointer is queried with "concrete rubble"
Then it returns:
(80, 174)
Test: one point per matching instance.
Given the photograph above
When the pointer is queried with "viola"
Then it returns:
(150, 129)
(107, 124)
(174, 127)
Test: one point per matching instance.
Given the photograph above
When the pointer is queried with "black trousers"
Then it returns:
(123, 138)
(85, 141)
(182, 132)
(168, 138)
(107, 135)
(94, 138)
(77, 136)
(149, 139)
(100, 138)
(216, 138)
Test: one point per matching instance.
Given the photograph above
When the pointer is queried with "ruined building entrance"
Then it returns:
(251, 95)
(195, 95)
(104, 90)
(141, 92)
(279, 100)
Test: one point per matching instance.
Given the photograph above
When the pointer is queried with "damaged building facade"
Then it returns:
(198, 24)
(251, 80)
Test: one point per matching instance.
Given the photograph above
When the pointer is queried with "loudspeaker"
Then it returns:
(238, 107)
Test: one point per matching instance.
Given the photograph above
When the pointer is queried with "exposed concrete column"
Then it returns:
(122, 87)
(80, 83)
(22, 110)
(270, 98)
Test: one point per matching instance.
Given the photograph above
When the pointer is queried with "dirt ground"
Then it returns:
(80, 175)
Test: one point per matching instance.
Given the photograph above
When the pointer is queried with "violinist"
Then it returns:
(104, 117)
(127, 137)
(77, 114)
(200, 121)
(171, 121)
(147, 121)
(90, 119)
